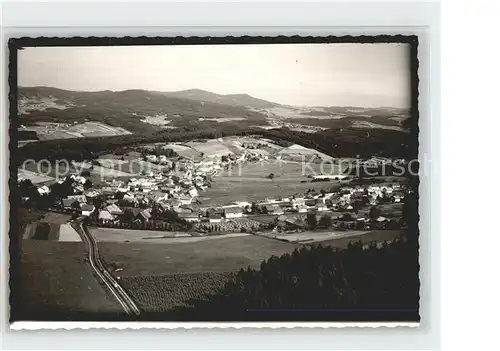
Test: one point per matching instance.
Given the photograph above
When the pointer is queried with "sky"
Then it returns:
(364, 75)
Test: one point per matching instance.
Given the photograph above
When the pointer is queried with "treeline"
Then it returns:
(352, 142)
(156, 151)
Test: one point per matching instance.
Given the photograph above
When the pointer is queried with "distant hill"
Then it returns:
(142, 111)
(126, 109)
(244, 100)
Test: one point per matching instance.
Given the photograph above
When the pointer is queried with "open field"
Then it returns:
(368, 124)
(222, 120)
(213, 148)
(89, 129)
(55, 282)
(55, 217)
(68, 234)
(26, 105)
(47, 231)
(368, 237)
(109, 172)
(42, 231)
(217, 255)
(250, 183)
(55, 172)
(48, 130)
(183, 150)
(161, 293)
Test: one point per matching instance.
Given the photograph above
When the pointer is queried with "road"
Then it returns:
(102, 272)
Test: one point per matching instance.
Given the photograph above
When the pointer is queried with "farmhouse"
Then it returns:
(91, 193)
(105, 216)
(157, 196)
(273, 209)
(87, 210)
(214, 218)
(301, 209)
(128, 197)
(233, 212)
(68, 203)
(79, 189)
(288, 223)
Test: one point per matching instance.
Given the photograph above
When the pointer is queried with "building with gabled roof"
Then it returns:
(105, 216)
(87, 209)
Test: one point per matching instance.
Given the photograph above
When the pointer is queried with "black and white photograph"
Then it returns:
(212, 179)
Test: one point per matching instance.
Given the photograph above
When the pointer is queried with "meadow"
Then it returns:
(378, 236)
(225, 254)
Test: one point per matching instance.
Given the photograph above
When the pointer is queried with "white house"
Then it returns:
(151, 158)
(128, 197)
(301, 208)
(215, 218)
(163, 159)
(321, 207)
(43, 190)
(190, 216)
(193, 192)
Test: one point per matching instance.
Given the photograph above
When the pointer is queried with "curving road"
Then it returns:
(102, 272)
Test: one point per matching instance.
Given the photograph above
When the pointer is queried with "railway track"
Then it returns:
(102, 272)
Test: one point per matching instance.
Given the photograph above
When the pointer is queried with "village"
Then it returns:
(166, 198)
